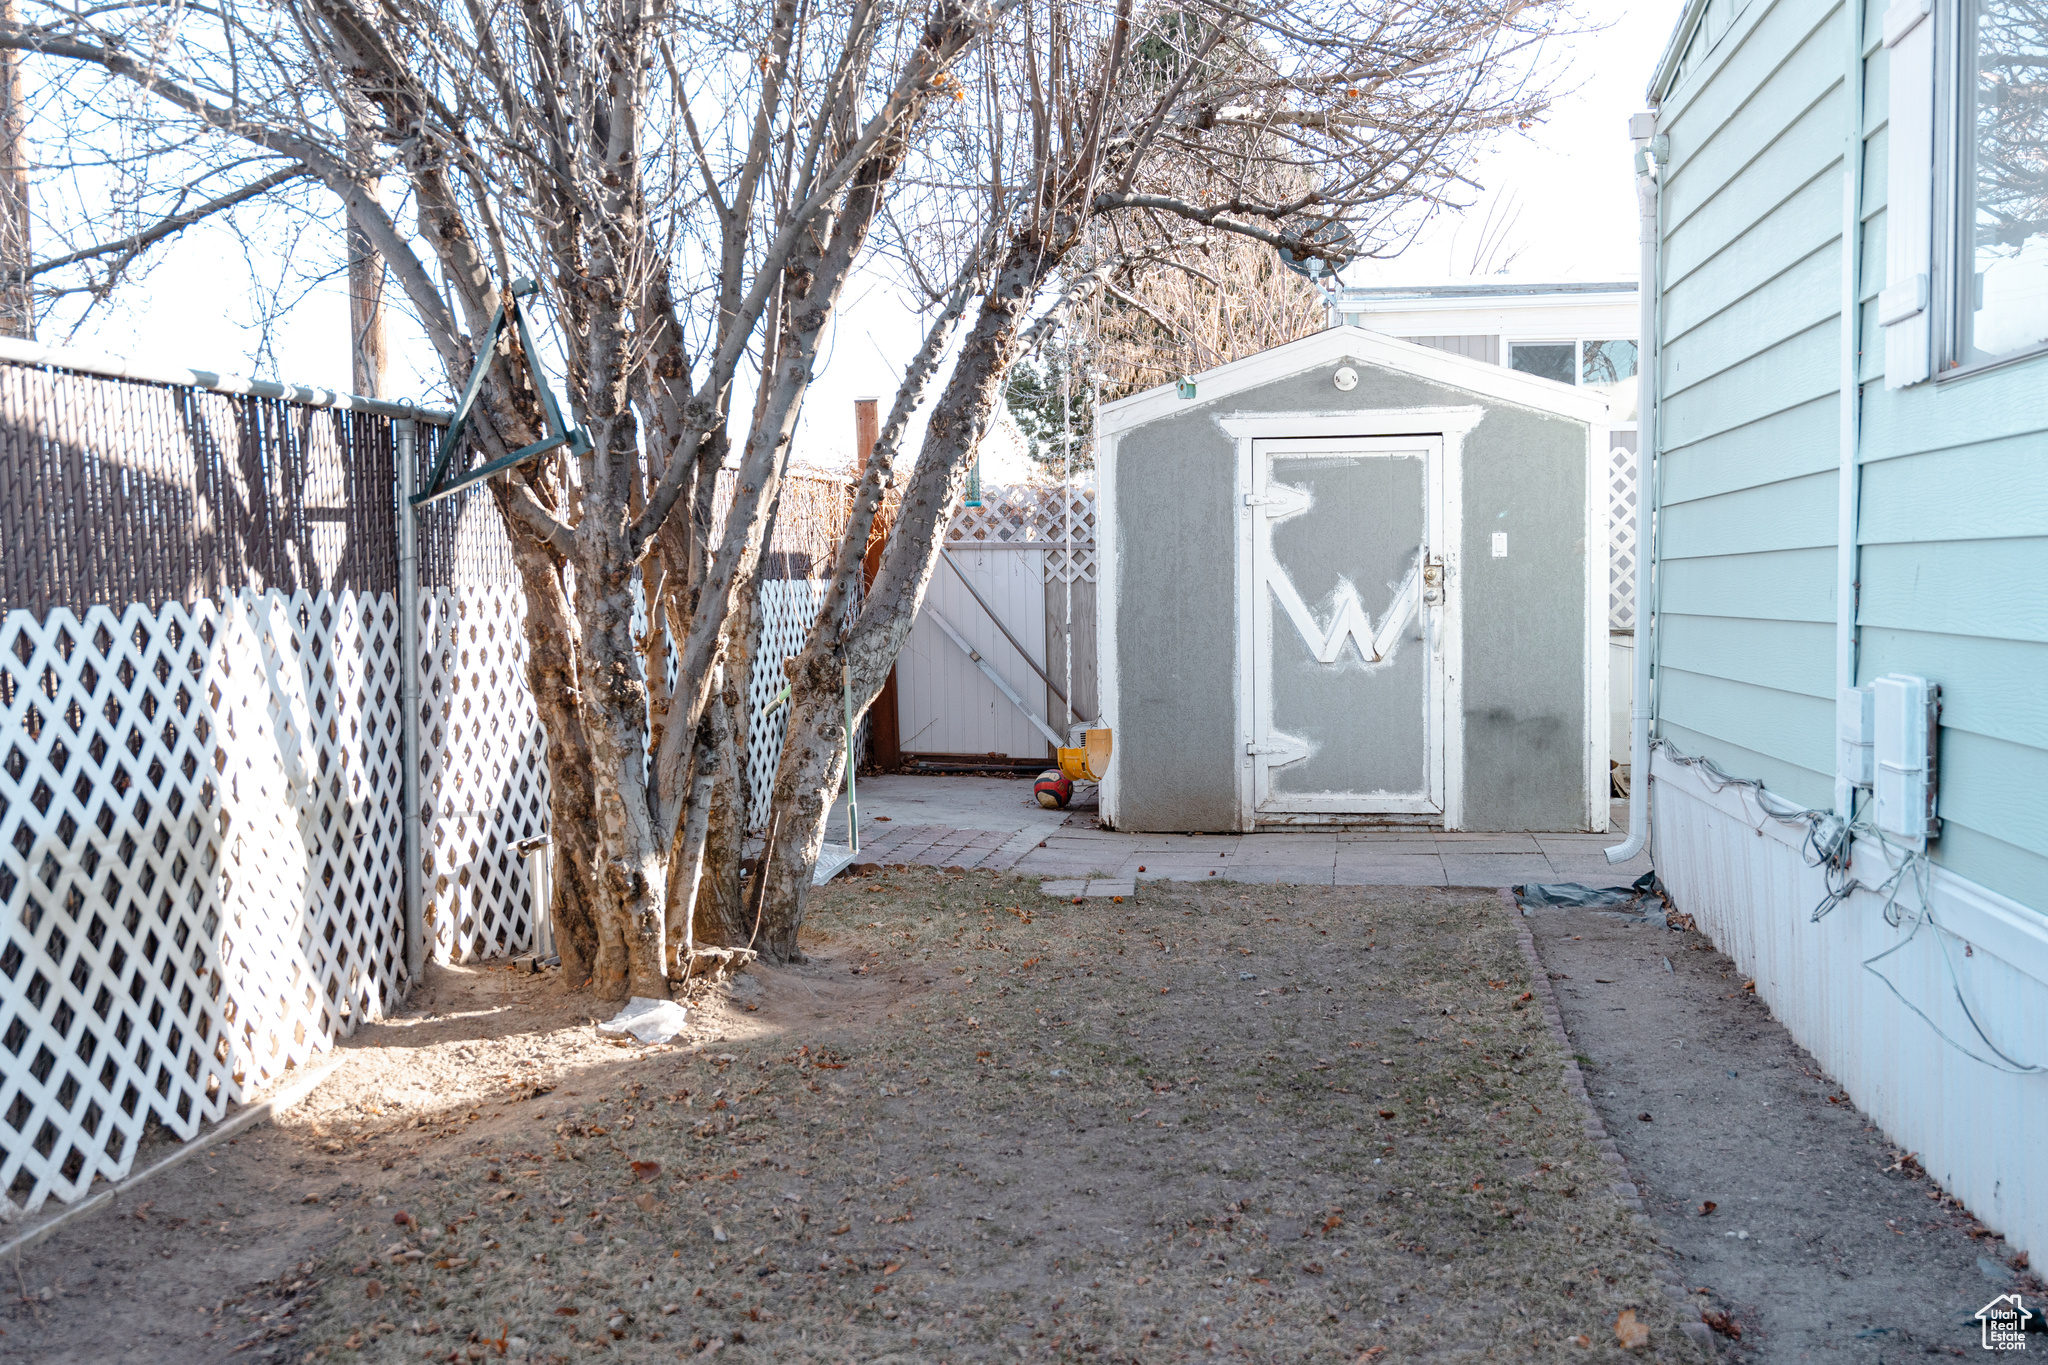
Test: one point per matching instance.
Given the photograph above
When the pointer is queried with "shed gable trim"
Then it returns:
(1359, 422)
(1476, 377)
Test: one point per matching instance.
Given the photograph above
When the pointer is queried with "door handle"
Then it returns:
(1432, 579)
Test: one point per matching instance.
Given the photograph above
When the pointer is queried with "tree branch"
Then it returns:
(137, 242)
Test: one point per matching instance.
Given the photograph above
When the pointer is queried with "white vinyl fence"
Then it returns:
(204, 673)
(200, 775)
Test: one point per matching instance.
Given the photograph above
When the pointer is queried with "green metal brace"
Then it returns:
(576, 439)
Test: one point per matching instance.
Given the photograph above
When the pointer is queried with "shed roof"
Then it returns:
(1333, 345)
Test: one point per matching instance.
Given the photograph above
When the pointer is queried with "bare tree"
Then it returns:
(1132, 132)
(692, 183)
(692, 187)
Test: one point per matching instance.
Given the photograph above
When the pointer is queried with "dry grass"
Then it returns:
(1269, 1123)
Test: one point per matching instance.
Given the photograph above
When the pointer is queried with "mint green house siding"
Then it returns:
(1953, 532)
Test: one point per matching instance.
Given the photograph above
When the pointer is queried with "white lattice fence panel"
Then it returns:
(788, 607)
(199, 825)
(1059, 521)
(484, 777)
(1068, 522)
(1063, 565)
(1623, 499)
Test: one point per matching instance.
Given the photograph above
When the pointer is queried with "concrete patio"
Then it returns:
(996, 824)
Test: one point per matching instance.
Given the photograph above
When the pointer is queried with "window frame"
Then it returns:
(1954, 265)
(1508, 348)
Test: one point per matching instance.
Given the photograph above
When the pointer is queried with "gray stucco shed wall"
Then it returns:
(1524, 617)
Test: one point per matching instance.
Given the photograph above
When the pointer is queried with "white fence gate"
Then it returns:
(1024, 558)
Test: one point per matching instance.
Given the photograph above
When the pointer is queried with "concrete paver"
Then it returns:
(1496, 869)
(1395, 872)
(997, 824)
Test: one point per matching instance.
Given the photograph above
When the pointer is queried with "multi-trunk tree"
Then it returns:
(693, 185)
(1140, 139)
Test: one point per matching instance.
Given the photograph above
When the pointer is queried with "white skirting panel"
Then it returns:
(1975, 1128)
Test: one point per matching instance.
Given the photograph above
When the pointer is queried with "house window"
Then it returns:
(1998, 261)
(1607, 362)
(1609, 366)
(1547, 360)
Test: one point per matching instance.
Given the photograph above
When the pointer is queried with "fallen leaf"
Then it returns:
(1720, 1321)
(374, 1290)
(1750, 986)
(1386, 1113)
(647, 1201)
(565, 1311)
(646, 1170)
(577, 1239)
(892, 1267)
(1332, 1223)
(1370, 1354)
(1643, 1117)
(1632, 1335)
(401, 1218)
(1707, 1207)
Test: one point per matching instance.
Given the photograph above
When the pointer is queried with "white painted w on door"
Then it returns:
(1350, 623)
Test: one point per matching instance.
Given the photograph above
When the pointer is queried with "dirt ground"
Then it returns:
(1823, 1242)
(1209, 1122)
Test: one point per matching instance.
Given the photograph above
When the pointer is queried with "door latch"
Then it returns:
(1432, 579)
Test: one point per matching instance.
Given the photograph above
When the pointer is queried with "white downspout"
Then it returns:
(1849, 480)
(1650, 153)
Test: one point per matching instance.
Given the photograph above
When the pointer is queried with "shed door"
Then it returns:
(1347, 624)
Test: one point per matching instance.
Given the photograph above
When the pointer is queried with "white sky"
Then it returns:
(1565, 186)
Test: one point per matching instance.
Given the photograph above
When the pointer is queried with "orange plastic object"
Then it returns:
(1090, 761)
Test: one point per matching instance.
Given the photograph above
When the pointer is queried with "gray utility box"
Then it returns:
(1355, 581)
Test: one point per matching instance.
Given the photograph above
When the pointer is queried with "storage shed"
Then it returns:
(1354, 581)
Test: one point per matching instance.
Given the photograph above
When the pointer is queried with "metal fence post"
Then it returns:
(409, 697)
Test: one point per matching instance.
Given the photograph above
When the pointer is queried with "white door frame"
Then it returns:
(1447, 424)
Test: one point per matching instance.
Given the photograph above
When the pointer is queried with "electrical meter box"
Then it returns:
(1905, 750)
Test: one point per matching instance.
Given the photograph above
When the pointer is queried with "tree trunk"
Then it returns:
(687, 862)
(572, 808)
(814, 752)
(806, 784)
(17, 299)
(720, 917)
(633, 876)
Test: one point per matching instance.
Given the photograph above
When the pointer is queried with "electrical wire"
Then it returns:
(1827, 845)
